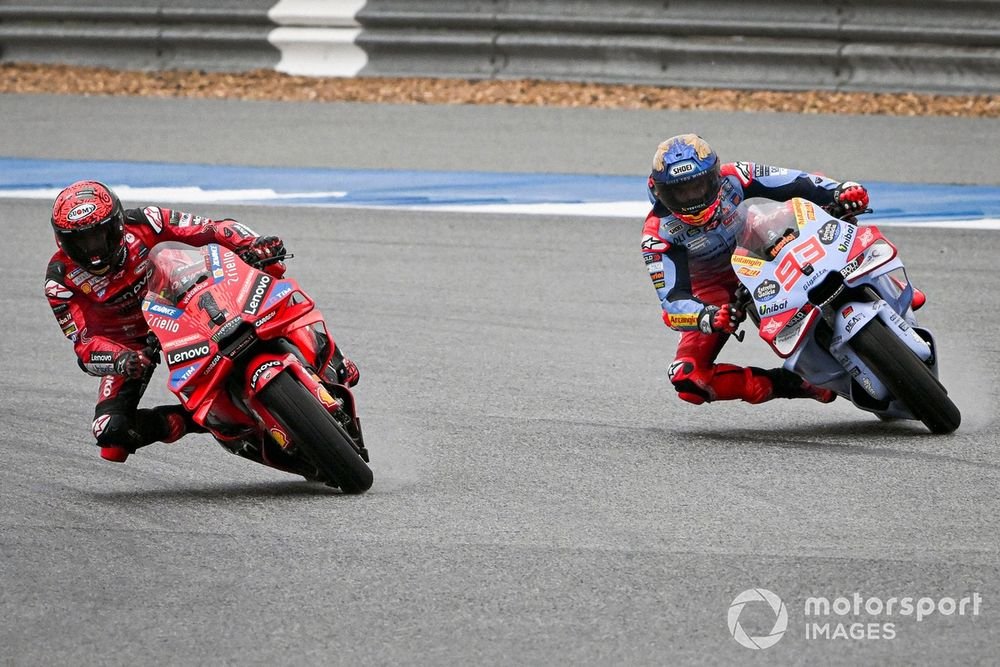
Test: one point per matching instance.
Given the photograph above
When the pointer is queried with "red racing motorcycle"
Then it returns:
(251, 359)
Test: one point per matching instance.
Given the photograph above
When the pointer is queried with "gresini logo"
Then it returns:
(755, 595)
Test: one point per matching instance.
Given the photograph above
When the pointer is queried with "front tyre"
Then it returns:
(316, 434)
(906, 377)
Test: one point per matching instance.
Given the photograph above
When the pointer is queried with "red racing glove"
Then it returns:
(720, 319)
(849, 198)
(264, 248)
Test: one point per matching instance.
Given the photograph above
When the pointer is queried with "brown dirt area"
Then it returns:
(271, 85)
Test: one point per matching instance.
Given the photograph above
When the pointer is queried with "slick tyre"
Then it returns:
(906, 377)
(317, 434)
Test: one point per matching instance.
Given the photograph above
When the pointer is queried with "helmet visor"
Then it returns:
(93, 247)
(692, 195)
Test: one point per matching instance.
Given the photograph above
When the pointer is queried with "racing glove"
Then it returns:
(849, 199)
(265, 248)
(720, 319)
(132, 364)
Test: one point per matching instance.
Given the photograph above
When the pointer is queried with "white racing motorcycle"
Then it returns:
(833, 300)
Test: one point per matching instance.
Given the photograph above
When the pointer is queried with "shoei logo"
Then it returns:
(780, 618)
(681, 168)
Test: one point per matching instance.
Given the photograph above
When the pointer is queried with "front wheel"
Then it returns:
(906, 377)
(316, 433)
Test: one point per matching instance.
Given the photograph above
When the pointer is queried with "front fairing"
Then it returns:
(784, 249)
(207, 307)
(791, 251)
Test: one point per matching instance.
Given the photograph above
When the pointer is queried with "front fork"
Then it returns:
(336, 398)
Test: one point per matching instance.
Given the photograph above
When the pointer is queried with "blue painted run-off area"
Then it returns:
(372, 187)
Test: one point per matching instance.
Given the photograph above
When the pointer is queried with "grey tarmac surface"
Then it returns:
(541, 496)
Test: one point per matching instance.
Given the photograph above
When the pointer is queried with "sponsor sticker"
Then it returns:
(829, 232)
(257, 292)
(55, 290)
(189, 353)
(766, 291)
(153, 217)
(684, 320)
(743, 260)
(263, 372)
(81, 211)
(771, 309)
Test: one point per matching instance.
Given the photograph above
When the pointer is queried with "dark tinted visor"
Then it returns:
(92, 246)
(689, 196)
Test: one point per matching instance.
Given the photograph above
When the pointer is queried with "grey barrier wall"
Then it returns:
(220, 35)
(950, 46)
(921, 45)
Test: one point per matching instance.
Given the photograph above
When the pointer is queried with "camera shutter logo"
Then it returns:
(780, 620)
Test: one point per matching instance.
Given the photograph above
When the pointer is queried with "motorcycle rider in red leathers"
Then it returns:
(687, 240)
(95, 284)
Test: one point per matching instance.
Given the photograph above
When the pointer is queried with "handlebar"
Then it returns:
(261, 263)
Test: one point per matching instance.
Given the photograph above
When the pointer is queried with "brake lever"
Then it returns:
(272, 260)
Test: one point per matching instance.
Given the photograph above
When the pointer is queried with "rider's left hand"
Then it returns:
(721, 319)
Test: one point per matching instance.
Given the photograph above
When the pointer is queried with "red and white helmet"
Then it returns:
(89, 223)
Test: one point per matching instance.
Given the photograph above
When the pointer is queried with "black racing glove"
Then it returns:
(132, 364)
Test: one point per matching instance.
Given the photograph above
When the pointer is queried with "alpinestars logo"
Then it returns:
(780, 620)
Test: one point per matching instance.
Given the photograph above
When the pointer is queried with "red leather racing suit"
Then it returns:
(102, 316)
(689, 266)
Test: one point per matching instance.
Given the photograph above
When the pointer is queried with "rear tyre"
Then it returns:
(908, 378)
(316, 434)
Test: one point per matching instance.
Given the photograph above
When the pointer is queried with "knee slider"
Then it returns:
(691, 382)
(112, 430)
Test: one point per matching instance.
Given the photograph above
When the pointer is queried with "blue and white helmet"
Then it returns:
(686, 178)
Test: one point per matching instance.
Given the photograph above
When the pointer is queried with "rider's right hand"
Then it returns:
(262, 249)
(720, 319)
(849, 199)
(132, 364)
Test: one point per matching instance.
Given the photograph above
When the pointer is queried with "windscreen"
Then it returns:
(769, 227)
(176, 268)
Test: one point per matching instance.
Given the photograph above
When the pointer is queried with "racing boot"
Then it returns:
(348, 373)
(786, 384)
(118, 438)
(341, 370)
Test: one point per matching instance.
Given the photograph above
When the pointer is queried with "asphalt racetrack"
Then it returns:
(541, 495)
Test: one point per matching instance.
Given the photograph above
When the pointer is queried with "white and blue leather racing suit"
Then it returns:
(690, 268)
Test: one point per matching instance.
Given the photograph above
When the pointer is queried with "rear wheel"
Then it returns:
(908, 378)
(316, 434)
